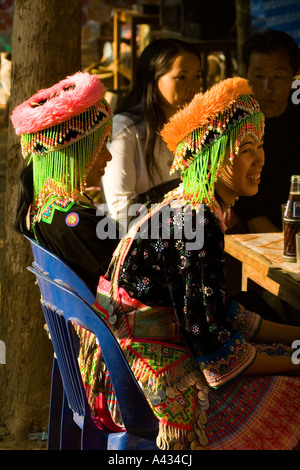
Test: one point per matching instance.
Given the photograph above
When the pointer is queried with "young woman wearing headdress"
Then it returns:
(214, 373)
(64, 130)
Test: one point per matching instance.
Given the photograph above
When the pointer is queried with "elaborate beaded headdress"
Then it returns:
(200, 133)
(63, 129)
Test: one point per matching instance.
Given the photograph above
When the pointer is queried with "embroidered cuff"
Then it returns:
(228, 362)
(246, 321)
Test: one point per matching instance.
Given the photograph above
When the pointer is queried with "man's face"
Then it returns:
(271, 77)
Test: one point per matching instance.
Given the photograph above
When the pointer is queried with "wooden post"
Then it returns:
(243, 30)
(45, 48)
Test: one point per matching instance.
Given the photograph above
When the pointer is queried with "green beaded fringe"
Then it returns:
(206, 163)
(67, 166)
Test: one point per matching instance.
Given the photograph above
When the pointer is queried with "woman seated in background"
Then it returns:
(64, 130)
(168, 76)
(214, 373)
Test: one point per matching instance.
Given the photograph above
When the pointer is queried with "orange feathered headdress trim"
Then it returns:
(203, 107)
(200, 134)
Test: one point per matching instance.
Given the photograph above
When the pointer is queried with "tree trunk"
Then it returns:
(45, 48)
(243, 29)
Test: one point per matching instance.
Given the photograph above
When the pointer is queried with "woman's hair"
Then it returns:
(24, 200)
(152, 196)
(142, 103)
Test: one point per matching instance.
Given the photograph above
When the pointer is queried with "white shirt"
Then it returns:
(126, 175)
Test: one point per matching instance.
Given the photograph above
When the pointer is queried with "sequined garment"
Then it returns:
(188, 345)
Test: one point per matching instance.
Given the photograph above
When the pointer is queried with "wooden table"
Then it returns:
(262, 262)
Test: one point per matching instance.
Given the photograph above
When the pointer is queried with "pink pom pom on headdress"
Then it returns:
(51, 106)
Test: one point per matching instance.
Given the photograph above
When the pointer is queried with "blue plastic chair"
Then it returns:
(52, 266)
(61, 307)
(56, 269)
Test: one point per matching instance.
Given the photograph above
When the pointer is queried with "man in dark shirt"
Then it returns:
(272, 62)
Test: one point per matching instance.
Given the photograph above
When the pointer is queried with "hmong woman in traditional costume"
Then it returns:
(215, 374)
(64, 130)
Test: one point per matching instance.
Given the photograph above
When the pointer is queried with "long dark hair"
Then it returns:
(152, 196)
(142, 103)
(24, 200)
